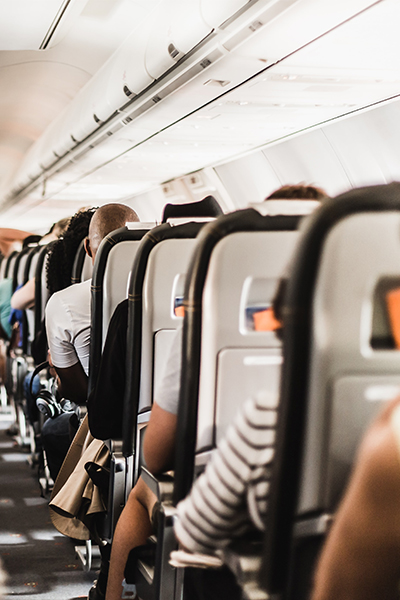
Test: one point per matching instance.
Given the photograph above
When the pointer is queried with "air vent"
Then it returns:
(96, 118)
(156, 99)
(127, 120)
(127, 91)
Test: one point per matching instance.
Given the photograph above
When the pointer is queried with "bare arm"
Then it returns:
(73, 383)
(361, 559)
(25, 296)
(159, 440)
(9, 236)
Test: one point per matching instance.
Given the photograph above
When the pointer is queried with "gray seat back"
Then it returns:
(87, 269)
(163, 285)
(349, 379)
(116, 277)
(111, 271)
(237, 361)
(30, 312)
(334, 377)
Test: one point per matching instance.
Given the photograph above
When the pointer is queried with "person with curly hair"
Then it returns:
(62, 254)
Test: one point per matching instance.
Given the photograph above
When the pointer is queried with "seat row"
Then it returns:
(338, 357)
(333, 370)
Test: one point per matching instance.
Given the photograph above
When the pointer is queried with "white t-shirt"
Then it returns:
(166, 394)
(68, 326)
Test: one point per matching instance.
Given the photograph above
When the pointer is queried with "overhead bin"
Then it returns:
(82, 121)
(125, 75)
(178, 27)
(223, 62)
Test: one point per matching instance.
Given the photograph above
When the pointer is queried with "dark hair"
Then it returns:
(62, 255)
(299, 192)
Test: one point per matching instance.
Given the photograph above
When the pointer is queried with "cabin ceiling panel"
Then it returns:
(39, 216)
(249, 179)
(353, 139)
(311, 159)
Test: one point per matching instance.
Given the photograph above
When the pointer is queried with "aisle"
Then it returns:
(40, 562)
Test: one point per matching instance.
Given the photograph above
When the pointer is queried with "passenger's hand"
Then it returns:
(52, 370)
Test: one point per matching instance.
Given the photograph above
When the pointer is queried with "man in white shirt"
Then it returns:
(68, 311)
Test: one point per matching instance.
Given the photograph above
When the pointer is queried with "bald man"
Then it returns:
(68, 311)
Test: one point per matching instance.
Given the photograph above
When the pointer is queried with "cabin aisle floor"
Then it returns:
(40, 562)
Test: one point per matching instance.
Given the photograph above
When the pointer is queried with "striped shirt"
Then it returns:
(235, 484)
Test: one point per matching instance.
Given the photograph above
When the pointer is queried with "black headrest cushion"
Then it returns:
(208, 207)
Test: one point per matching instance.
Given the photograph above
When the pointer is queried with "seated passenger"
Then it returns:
(361, 557)
(68, 322)
(298, 192)
(24, 297)
(134, 525)
(58, 272)
(6, 286)
(68, 311)
(10, 240)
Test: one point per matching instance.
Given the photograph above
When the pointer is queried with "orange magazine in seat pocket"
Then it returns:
(179, 311)
(393, 304)
(264, 320)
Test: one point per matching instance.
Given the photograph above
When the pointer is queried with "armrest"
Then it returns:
(244, 559)
(114, 446)
(161, 485)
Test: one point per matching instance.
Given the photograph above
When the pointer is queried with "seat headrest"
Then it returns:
(286, 207)
(137, 225)
(208, 207)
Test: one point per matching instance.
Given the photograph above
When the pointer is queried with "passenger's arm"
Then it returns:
(24, 297)
(73, 383)
(361, 559)
(159, 440)
(8, 237)
(215, 510)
